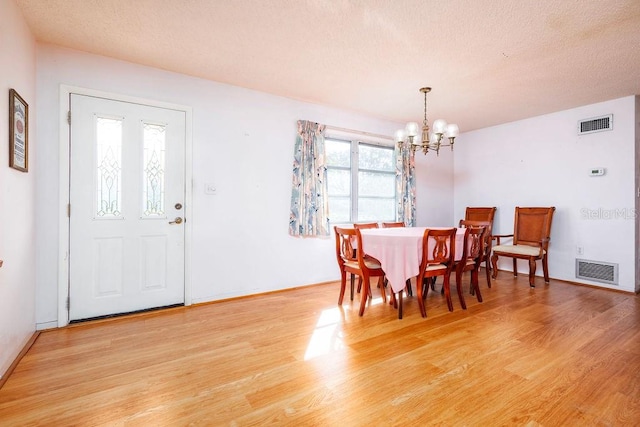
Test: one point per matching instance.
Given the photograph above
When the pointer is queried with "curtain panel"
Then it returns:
(406, 185)
(309, 215)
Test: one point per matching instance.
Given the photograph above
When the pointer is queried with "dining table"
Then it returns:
(399, 250)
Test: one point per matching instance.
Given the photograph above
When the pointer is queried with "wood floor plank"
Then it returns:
(559, 354)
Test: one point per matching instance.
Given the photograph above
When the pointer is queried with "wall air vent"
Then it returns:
(597, 124)
(604, 272)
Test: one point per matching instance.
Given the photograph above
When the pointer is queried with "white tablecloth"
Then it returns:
(399, 251)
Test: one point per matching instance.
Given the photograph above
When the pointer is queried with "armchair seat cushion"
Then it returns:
(524, 250)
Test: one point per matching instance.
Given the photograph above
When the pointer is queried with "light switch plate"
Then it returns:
(209, 189)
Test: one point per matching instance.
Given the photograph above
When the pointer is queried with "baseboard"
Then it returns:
(46, 325)
(24, 351)
(570, 282)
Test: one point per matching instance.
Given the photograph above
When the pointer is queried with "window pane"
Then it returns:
(339, 182)
(153, 182)
(376, 158)
(108, 167)
(337, 153)
(376, 184)
(376, 209)
(339, 209)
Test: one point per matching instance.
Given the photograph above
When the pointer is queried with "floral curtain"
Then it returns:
(309, 202)
(406, 185)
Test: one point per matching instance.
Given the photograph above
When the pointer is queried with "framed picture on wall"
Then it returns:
(18, 132)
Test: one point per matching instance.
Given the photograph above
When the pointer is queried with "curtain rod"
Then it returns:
(357, 132)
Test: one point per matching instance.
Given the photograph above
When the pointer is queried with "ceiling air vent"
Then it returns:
(597, 124)
(604, 272)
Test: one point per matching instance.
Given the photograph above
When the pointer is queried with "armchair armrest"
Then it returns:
(498, 236)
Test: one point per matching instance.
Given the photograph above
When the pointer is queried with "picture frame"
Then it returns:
(18, 132)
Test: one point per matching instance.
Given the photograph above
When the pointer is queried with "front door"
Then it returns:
(127, 192)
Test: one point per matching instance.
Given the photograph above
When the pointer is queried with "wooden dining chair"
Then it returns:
(487, 241)
(366, 225)
(531, 235)
(350, 261)
(480, 213)
(485, 213)
(363, 226)
(369, 267)
(438, 252)
(472, 254)
(393, 224)
(346, 256)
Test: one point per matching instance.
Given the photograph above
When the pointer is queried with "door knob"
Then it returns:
(178, 220)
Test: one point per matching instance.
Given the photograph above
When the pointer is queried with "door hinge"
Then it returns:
(68, 303)
(68, 210)
(69, 116)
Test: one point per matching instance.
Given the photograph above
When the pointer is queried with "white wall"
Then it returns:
(17, 190)
(434, 188)
(542, 161)
(242, 144)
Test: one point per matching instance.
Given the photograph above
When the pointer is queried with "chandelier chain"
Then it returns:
(424, 121)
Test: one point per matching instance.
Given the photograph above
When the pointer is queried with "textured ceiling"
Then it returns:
(488, 61)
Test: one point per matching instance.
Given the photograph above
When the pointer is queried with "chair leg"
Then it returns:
(515, 268)
(474, 284)
(488, 270)
(383, 289)
(447, 292)
(409, 290)
(422, 288)
(400, 304)
(393, 301)
(365, 294)
(463, 304)
(494, 264)
(352, 283)
(343, 285)
(545, 269)
(532, 272)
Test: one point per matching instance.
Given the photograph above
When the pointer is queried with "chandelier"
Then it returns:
(427, 141)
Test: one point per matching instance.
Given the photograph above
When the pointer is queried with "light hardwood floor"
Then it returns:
(559, 355)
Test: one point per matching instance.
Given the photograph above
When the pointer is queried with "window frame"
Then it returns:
(355, 141)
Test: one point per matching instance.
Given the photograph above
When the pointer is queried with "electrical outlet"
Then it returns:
(579, 250)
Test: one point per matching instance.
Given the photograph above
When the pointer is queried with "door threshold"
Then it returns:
(128, 313)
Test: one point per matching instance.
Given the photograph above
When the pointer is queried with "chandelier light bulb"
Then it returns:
(439, 126)
(452, 130)
(400, 135)
(412, 129)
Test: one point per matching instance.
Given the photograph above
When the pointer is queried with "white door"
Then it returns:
(127, 191)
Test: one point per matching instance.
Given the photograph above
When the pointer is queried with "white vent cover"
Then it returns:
(599, 271)
(596, 124)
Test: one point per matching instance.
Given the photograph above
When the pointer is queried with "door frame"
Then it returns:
(64, 182)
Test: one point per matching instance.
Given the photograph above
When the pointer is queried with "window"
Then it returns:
(361, 181)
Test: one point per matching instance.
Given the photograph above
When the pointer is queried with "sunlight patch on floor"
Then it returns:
(327, 335)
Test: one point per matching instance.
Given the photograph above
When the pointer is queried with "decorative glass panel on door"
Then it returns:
(108, 167)
(153, 186)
